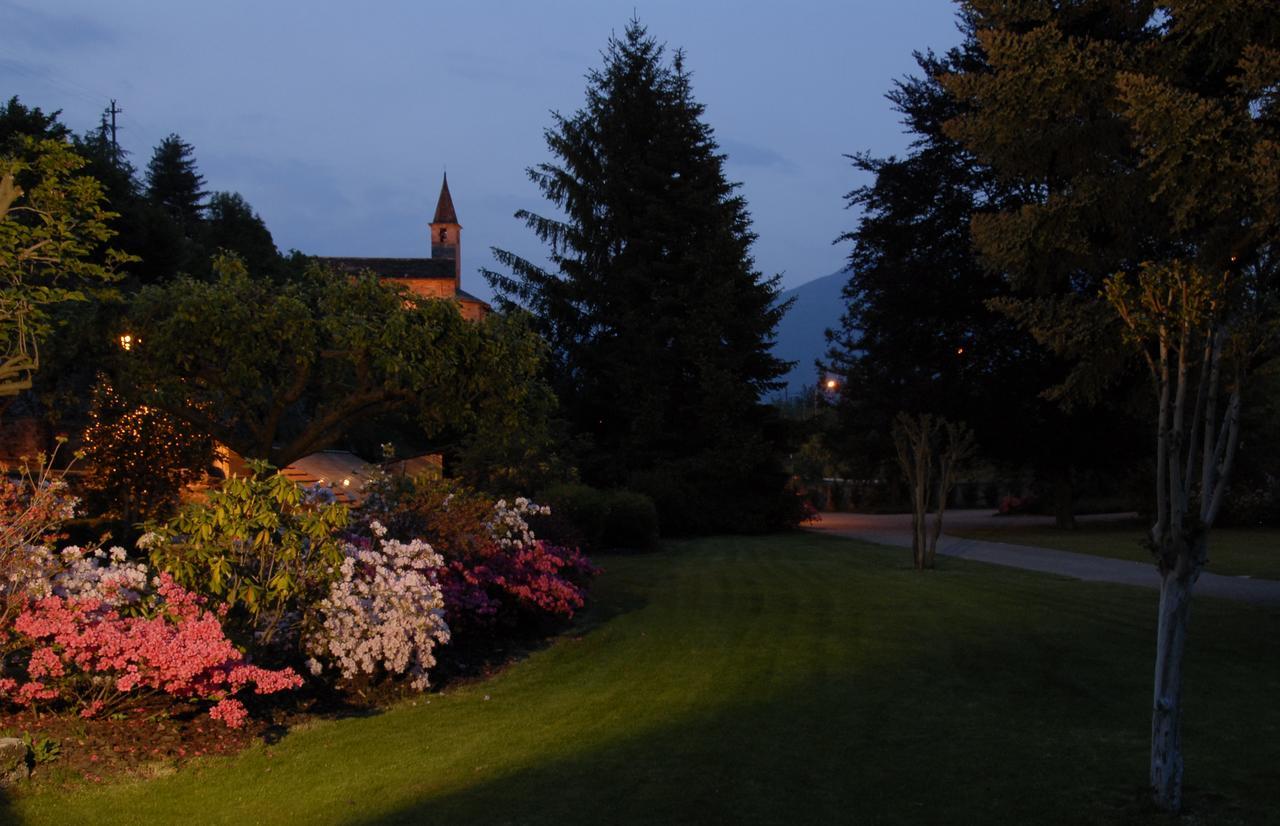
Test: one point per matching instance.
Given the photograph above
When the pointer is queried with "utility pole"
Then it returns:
(115, 145)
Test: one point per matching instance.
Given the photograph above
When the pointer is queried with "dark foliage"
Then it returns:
(659, 325)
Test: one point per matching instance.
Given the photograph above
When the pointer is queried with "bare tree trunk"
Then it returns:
(1166, 709)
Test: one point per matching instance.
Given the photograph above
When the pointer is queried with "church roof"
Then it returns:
(444, 207)
(396, 267)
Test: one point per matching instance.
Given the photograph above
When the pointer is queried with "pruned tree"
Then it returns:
(930, 452)
(1198, 342)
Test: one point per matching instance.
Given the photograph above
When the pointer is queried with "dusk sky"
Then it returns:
(336, 120)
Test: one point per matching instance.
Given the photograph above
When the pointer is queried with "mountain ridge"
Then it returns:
(801, 331)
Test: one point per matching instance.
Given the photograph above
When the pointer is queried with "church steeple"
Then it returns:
(446, 232)
(444, 206)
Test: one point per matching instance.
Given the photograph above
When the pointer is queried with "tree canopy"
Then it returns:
(52, 224)
(278, 370)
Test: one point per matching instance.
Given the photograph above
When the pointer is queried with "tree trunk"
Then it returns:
(1166, 711)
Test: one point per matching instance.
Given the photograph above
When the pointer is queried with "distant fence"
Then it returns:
(874, 495)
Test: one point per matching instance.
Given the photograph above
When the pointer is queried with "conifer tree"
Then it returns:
(174, 183)
(659, 324)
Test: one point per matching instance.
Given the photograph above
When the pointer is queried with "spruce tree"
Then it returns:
(174, 183)
(659, 323)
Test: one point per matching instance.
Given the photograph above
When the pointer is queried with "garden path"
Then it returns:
(895, 529)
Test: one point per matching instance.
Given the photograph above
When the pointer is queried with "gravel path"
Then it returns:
(895, 529)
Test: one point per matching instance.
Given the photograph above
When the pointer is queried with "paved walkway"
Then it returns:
(895, 529)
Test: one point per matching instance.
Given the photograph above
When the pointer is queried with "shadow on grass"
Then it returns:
(794, 760)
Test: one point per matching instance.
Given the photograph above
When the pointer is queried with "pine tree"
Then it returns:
(174, 183)
(659, 323)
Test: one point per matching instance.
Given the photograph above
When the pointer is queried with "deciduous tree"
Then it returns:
(279, 370)
(52, 224)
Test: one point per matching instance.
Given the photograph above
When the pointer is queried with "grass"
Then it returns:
(1251, 552)
(786, 679)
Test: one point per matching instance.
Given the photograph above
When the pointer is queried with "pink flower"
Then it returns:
(231, 712)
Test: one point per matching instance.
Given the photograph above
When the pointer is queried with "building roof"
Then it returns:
(444, 207)
(396, 267)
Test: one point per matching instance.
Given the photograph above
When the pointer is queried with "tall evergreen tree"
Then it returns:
(659, 323)
(922, 334)
(174, 183)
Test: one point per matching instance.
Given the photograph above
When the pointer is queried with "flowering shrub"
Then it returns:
(385, 614)
(496, 571)
(106, 576)
(33, 507)
(515, 575)
(448, 516)
(98, 642)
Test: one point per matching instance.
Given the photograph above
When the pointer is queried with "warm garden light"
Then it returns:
(832, 384)
(126, 342)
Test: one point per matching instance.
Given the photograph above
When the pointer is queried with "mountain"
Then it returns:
(818, 305)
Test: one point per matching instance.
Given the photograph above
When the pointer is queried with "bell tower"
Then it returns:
(446, 233)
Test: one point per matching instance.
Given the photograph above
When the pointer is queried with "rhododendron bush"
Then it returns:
(104, 637)
(267, 547)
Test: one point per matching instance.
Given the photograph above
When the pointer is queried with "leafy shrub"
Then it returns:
(259, 543)
(385, 614)
(631, 521)
(97, 645)
(585, 508)
(450, 517)
(604, 519)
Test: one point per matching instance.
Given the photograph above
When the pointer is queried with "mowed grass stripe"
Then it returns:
(779, 679)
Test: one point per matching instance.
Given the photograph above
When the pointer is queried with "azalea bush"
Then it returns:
(33, 506)
(496, 573)
(385, 614)
(103, 637)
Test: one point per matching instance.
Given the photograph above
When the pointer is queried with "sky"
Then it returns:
(337, 120)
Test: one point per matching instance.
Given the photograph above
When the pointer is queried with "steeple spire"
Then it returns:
(444, 207)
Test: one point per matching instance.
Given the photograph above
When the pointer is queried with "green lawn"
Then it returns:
(788, 679)
(1232, 551)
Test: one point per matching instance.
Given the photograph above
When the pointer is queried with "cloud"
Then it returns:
(742, 153)
(45, 31)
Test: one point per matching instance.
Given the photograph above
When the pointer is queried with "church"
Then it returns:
(439, 276)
